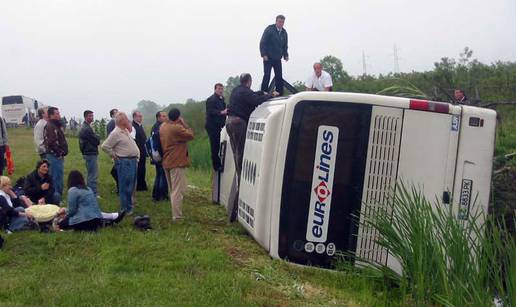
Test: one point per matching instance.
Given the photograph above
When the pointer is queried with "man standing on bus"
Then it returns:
(273, 47)
(56, 148)
(3, 144)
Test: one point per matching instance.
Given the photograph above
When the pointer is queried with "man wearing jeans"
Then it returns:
(88, 143)
(160, 189)
(174, 134)
(56, 147)
(242, 103)
(124, 151)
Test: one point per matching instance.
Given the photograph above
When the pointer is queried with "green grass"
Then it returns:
(202, 262)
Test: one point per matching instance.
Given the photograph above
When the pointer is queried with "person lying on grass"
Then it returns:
(83, 211)
(12, 213)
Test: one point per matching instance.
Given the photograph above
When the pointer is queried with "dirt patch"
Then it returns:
(238, 256)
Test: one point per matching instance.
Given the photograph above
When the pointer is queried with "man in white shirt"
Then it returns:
(319, 80)
(39, 130)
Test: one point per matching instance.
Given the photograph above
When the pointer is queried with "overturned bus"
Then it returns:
(314, 160)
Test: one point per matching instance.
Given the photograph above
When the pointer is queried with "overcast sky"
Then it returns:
(103, 54)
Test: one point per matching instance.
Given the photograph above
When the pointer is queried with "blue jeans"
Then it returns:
(18, 222)
(126, 169)
(57, 172)
(93, 171)
(160, 189)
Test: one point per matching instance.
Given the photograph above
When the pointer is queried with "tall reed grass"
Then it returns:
(200, 153)
(445, 260)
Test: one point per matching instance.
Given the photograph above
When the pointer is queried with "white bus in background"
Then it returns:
(15, 108)
(314, 159)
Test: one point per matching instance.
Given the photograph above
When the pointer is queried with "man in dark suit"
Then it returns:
(140, 138)
(215, 119)
(273, 47)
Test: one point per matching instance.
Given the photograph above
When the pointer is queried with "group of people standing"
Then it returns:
(126, 145)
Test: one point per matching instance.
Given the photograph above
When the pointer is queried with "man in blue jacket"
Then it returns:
(273, 47)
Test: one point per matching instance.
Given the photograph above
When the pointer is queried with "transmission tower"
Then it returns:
(396, 60)
(364, 65)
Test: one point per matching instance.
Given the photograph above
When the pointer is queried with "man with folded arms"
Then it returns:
(124, 151)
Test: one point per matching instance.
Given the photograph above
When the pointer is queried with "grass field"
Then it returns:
(201, 262)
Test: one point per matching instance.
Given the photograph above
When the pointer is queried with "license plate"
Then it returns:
(465, 199)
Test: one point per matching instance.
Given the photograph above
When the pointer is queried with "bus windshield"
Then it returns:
(12, 100)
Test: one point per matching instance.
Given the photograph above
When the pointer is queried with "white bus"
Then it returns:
(17, 109)
(314, 159)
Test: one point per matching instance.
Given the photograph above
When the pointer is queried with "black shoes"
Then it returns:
(120, 217)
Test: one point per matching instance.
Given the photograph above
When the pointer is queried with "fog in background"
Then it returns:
(102, 54)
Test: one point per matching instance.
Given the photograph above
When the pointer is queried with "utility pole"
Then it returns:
(364, 65)
(396, 60)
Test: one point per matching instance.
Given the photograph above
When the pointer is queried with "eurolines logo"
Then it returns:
(322, 184)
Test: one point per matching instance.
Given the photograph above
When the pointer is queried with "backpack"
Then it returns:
(153, 147)
(142, 222)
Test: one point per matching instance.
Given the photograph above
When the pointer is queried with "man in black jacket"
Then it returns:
(140, 138)
(242, 103)
(89, 143)
(215, 119)
(273, 47)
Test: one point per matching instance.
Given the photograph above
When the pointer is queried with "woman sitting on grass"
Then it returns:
(39, 187)
(83, 210)
(12, 214)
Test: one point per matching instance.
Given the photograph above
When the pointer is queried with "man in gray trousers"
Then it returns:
(242, 103)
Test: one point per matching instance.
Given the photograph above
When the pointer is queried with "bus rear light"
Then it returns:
(430, 106)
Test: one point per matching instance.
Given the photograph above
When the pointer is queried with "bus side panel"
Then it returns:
(474, 161)
(425, 148)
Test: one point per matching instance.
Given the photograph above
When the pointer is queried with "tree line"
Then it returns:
(483, 83)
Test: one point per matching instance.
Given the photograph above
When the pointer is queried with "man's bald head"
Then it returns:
(318, 69)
